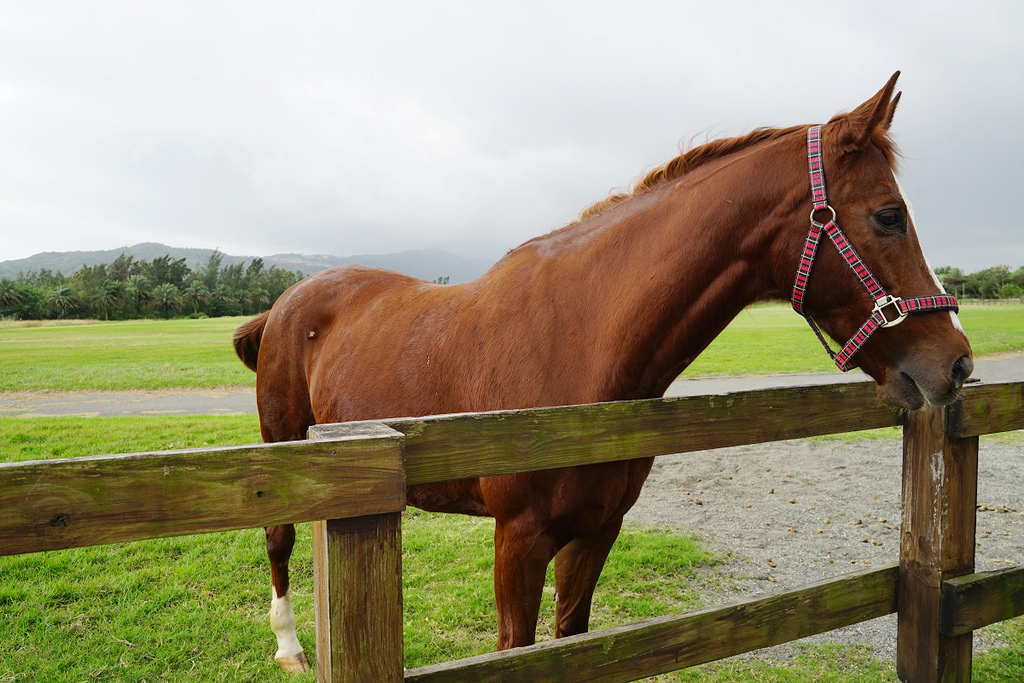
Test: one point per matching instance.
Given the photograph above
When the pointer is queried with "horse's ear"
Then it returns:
(870, 121)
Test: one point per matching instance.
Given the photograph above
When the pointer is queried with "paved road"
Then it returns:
(124, 403)
(229, 402)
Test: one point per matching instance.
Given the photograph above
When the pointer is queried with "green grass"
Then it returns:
(151, 610)
(43, 438)
(195, 606)
(155, 354)
(448, 565)
(817, 663)
(1003, 663)
(166, 609)
(139, 354)
(994, 329)
(156, 610)
(772, 339)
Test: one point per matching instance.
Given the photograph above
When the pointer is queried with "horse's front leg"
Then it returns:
(289, 656)
(577, 568)
(521, 556)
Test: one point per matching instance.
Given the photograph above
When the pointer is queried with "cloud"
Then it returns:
(371, 127)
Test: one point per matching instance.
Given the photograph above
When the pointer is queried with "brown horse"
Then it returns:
(611, 307)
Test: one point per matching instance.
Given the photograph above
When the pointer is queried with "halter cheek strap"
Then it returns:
(889, 310)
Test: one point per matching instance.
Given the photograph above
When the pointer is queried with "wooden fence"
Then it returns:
(354, 476)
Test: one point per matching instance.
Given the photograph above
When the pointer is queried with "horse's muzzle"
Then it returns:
(916, 384)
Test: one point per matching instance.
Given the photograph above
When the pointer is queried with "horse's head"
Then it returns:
(915, 349)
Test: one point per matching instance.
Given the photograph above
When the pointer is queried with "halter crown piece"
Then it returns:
(897, 307)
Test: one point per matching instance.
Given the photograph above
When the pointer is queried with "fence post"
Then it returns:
(357, 576)
(940, 492)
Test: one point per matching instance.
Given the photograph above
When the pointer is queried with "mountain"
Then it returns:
(428, 264)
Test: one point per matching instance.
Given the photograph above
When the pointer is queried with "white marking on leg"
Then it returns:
(935, 278)
(282, 623)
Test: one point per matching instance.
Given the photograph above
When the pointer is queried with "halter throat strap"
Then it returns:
(888, 310)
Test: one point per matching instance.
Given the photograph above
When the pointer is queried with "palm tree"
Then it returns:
(10, 294)
(243, 298)
(62, 299)
(166, 298)
(260, 299)
(108, 296)
(136, 290)
(225, 300)
(196, 294)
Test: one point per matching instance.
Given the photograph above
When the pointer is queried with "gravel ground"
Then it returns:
(791, 513)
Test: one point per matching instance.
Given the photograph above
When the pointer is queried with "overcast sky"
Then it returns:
(373, 127)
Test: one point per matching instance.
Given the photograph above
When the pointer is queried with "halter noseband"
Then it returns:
(898, 307)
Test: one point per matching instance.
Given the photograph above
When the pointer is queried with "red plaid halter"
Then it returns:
(898, 308)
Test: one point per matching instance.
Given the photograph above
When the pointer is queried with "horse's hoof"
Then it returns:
(293, 663)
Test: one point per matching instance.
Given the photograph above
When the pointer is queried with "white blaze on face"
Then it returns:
(935, 278)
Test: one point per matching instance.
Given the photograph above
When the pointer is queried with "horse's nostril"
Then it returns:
(962, 369)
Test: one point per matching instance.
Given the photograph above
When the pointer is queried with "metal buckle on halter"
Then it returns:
(827, 207)
(886, 301)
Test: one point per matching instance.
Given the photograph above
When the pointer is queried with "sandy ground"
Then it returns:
(791, 513)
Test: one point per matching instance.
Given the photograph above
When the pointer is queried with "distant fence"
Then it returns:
(354, 476)
(972, 302)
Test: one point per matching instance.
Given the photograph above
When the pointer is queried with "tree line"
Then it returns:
(162, 288)
(167, 287)
(998, 282)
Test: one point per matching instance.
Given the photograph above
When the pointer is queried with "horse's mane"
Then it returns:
(716, 149)
(686, 162)
(698, 156)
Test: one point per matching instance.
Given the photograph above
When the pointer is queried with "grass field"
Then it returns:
(195, 607)
(769, 339)
(764, 339)
(138, 354)
(171, 609)
(154, 610)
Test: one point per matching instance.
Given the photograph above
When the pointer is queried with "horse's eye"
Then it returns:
(892, 220)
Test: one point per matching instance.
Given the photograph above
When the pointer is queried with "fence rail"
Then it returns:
(57, 504)
(350, 481)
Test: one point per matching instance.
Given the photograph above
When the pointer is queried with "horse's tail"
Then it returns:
(247, 340)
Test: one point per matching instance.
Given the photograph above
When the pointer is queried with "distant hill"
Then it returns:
(428, 264)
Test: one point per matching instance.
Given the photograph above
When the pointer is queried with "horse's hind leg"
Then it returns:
(284, 417)
(577, 568)
(290, 657)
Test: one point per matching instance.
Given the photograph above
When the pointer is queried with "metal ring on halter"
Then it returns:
(889, 300)
(816, 210)
(882, 300)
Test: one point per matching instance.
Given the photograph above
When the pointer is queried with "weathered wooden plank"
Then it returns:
(357, 565)
(976, 600)
(627, 653)
(48, 505)
(357, 576)
(988, 408)
(459, 446)
(940, 476)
